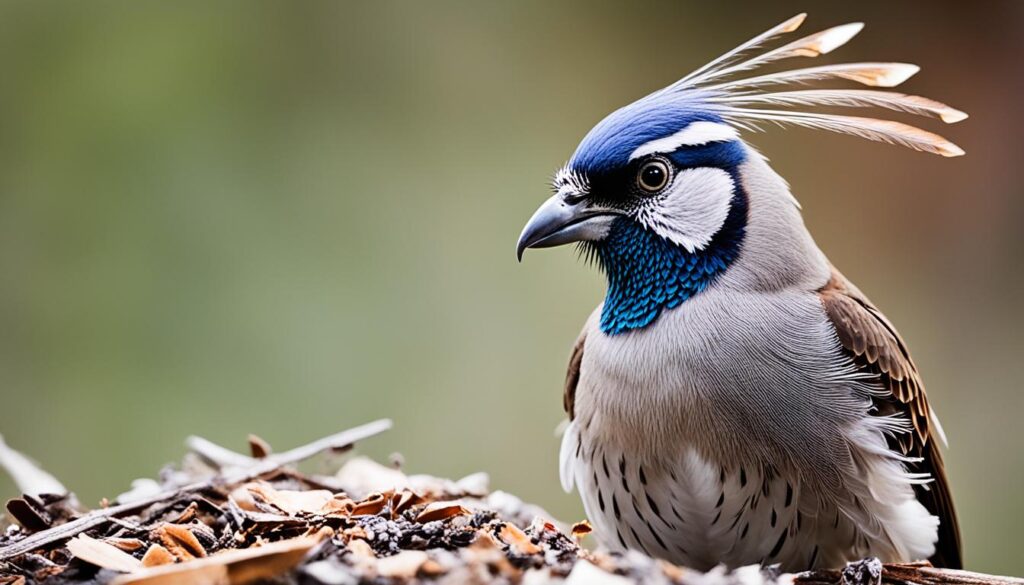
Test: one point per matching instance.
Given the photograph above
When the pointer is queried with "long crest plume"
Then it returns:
(731, 97)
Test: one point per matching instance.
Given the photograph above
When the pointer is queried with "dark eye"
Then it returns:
(653, 176)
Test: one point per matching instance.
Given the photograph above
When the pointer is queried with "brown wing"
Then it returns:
(876, 347)
(572, 376)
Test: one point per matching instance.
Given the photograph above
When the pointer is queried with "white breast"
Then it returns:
(734, 430)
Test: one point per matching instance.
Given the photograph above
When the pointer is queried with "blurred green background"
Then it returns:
(290, 218)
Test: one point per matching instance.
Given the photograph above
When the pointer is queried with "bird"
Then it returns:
(735, 399)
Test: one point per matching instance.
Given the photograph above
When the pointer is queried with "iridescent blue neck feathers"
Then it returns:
(648, 275)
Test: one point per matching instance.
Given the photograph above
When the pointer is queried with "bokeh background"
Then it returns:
(290, 218)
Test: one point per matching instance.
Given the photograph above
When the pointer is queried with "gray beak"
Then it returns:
(559, 222)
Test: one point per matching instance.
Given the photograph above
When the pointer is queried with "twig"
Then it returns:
(342, 440)
(219, 457)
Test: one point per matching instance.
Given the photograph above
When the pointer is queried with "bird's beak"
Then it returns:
(559, 221)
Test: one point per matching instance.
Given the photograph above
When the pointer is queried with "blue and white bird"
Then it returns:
(735, 399)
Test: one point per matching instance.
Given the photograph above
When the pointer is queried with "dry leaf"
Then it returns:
(404, 500)
(581, 529)
(372, 505)
(517, 540)
(186, 515)
(126, 544)
(404, 565)
(101, 554)
(180, 541)
(258, 447)
(291, 502)
(156, 556)
(338, 506)
(234, 567)
(441, 511)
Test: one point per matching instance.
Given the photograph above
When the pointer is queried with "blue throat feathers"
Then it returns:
(648, 274)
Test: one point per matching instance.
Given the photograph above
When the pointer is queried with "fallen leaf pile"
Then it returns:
(224, 518)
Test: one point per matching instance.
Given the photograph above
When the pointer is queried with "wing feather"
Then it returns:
(875, 347)
(572, 375)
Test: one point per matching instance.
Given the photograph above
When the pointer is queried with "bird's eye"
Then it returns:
(653, 176)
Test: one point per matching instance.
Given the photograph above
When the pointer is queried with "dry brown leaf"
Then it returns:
(186, 515)
(258, 447)
(372, 505)
(233, 567)
(156, 556)
(441, 511)
(101, 554)
(125, 544)
(289, 501)
(581, 529)
(180, 541)
(404, 565)
(517, 540)
(403, 500)
(338, 506)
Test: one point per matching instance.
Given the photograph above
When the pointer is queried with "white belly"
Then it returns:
(728, 433)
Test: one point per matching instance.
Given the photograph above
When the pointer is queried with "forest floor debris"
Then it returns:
(226, 518)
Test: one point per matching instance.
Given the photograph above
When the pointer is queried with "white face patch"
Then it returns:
(695, 134)
(693, 208)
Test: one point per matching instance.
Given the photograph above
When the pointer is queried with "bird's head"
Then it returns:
(655, 192)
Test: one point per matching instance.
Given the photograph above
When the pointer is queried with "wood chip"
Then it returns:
(180, 541)
(296, 503)
(126, 544)
(517, 540)
(156, 556)
(103, 555)
(27, 515)
(233, 567)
